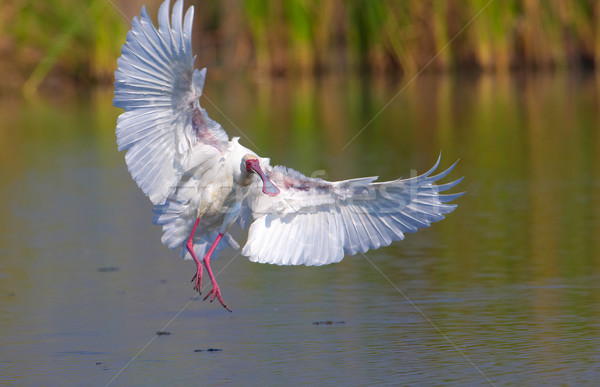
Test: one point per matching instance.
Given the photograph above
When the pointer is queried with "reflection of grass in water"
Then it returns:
(82, 39)
(528, 147)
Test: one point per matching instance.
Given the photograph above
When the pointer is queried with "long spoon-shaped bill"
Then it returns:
(269, 188)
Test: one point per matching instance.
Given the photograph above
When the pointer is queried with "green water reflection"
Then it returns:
(512, 276)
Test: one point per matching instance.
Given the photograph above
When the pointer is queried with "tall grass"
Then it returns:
(69, 39)
(81, 39)
(405, 35)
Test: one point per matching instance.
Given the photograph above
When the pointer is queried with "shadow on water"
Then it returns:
(509, 280)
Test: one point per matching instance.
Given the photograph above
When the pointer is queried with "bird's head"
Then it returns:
(252, 165)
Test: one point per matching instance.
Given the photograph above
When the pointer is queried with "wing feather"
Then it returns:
(157, 85)
(314, 222)
(352, 240)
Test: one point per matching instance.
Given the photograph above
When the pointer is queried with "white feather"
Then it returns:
(157, 86)
(327, 219)
(186, 164)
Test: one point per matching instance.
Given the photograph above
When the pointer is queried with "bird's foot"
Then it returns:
(215, 292)
(197, 280)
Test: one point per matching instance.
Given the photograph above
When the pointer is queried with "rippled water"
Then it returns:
(506, 290)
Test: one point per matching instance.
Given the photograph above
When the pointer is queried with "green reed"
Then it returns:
(81, 40)
(72, 39)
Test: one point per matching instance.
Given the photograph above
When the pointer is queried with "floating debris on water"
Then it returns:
(328, 322)
(104, 368)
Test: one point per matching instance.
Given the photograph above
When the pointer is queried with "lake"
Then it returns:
(505, 290)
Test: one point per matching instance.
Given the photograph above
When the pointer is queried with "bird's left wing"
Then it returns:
(164, 129)
(316, 222)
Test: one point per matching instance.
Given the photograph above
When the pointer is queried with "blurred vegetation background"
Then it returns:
(59, 42)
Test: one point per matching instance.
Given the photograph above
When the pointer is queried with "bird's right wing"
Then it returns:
(164, 129)
(316, 222)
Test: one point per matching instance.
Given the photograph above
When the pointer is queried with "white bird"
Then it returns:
(201, 182)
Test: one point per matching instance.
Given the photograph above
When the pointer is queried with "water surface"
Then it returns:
(506, 290)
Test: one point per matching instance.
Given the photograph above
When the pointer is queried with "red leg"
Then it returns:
(190, 246)
(215, 291)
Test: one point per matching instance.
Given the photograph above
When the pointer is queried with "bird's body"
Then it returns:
(201, 182)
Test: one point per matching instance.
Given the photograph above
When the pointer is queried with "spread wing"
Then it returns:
(164, 129)
(316, 222)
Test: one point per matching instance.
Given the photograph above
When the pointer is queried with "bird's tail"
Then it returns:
(177, 220)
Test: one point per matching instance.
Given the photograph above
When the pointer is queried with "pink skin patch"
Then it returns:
(269, 188)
